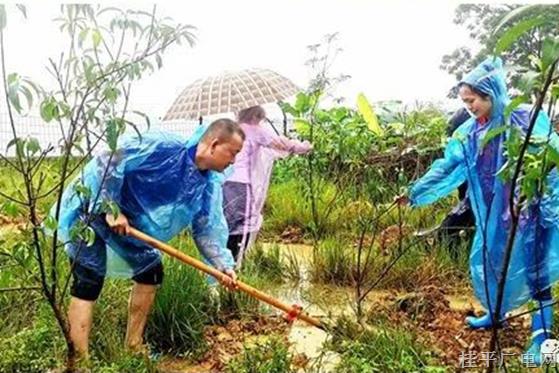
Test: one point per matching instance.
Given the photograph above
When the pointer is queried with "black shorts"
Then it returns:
(87, 285)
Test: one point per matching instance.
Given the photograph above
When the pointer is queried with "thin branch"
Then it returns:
(515, 209)
(4, 195)
(7, 160)
(19, 288)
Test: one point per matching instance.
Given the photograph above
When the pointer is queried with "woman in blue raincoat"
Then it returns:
(162, 183)
(534, 265)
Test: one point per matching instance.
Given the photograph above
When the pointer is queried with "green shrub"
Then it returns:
(126, 363)
(383, 349)
(265, 263)
(33, 349)
(333, 262)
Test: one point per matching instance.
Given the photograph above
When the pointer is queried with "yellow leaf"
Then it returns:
(301, 126)
(366, 111)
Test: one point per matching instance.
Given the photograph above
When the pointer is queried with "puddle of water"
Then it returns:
(308, 340)
(319, 301)
(463, 302)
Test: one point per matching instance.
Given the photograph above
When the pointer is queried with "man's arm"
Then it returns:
(210, 231)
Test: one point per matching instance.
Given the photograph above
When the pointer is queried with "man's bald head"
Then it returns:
(220, 144)
(222, 129)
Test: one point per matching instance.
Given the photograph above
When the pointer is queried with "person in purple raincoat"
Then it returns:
(244, 192)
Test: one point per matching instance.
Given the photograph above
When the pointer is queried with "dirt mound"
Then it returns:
(292, 234)
(428, 314)
(227, 341)
(423, 305)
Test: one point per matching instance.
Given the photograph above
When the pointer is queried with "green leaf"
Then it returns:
(22, 9)
(50, 223)
(82, 191)
(48, 108)
(96, 36)
(115, 127)
(516, 13)
(110, 207)
(504, 172)
(158, 60)
(75, 231)
(109, 9)
(550, 52)
(28, 95)
(555, 91)
(366, 111)
(13, 91)
(32, 146)
(79, 148)
(553, 155)
(302, 126)
(14, 100)
(10, 209)
(287, 108)
(528, 82)
(35, 87)
(111, 94)
(89, 236)
(515, 103)
(515, 32)
(314, 97)
(147, 65)
(491, 134)
(302, 103)
(82, 36)
(12, 142)
(535, 62)
(88, 72)
(2, 17)
(13, 78)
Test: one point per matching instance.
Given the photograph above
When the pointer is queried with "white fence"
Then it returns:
(50, 134)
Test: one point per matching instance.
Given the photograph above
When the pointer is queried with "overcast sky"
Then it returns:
(392, 49)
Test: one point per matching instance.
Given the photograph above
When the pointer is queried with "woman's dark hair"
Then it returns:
(483, 95)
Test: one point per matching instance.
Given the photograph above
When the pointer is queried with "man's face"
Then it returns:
(223, 152)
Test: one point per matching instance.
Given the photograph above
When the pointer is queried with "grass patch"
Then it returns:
(182, 306)
(384, 348)
(333, 263)
(271, 356)
(265, 263)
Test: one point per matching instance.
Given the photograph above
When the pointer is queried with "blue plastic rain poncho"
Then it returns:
(535, 262)
(154, 181)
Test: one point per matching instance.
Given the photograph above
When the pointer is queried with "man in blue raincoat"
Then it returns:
(162, 183)
(534, 265)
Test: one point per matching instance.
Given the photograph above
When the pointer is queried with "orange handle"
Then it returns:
(167, 249)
